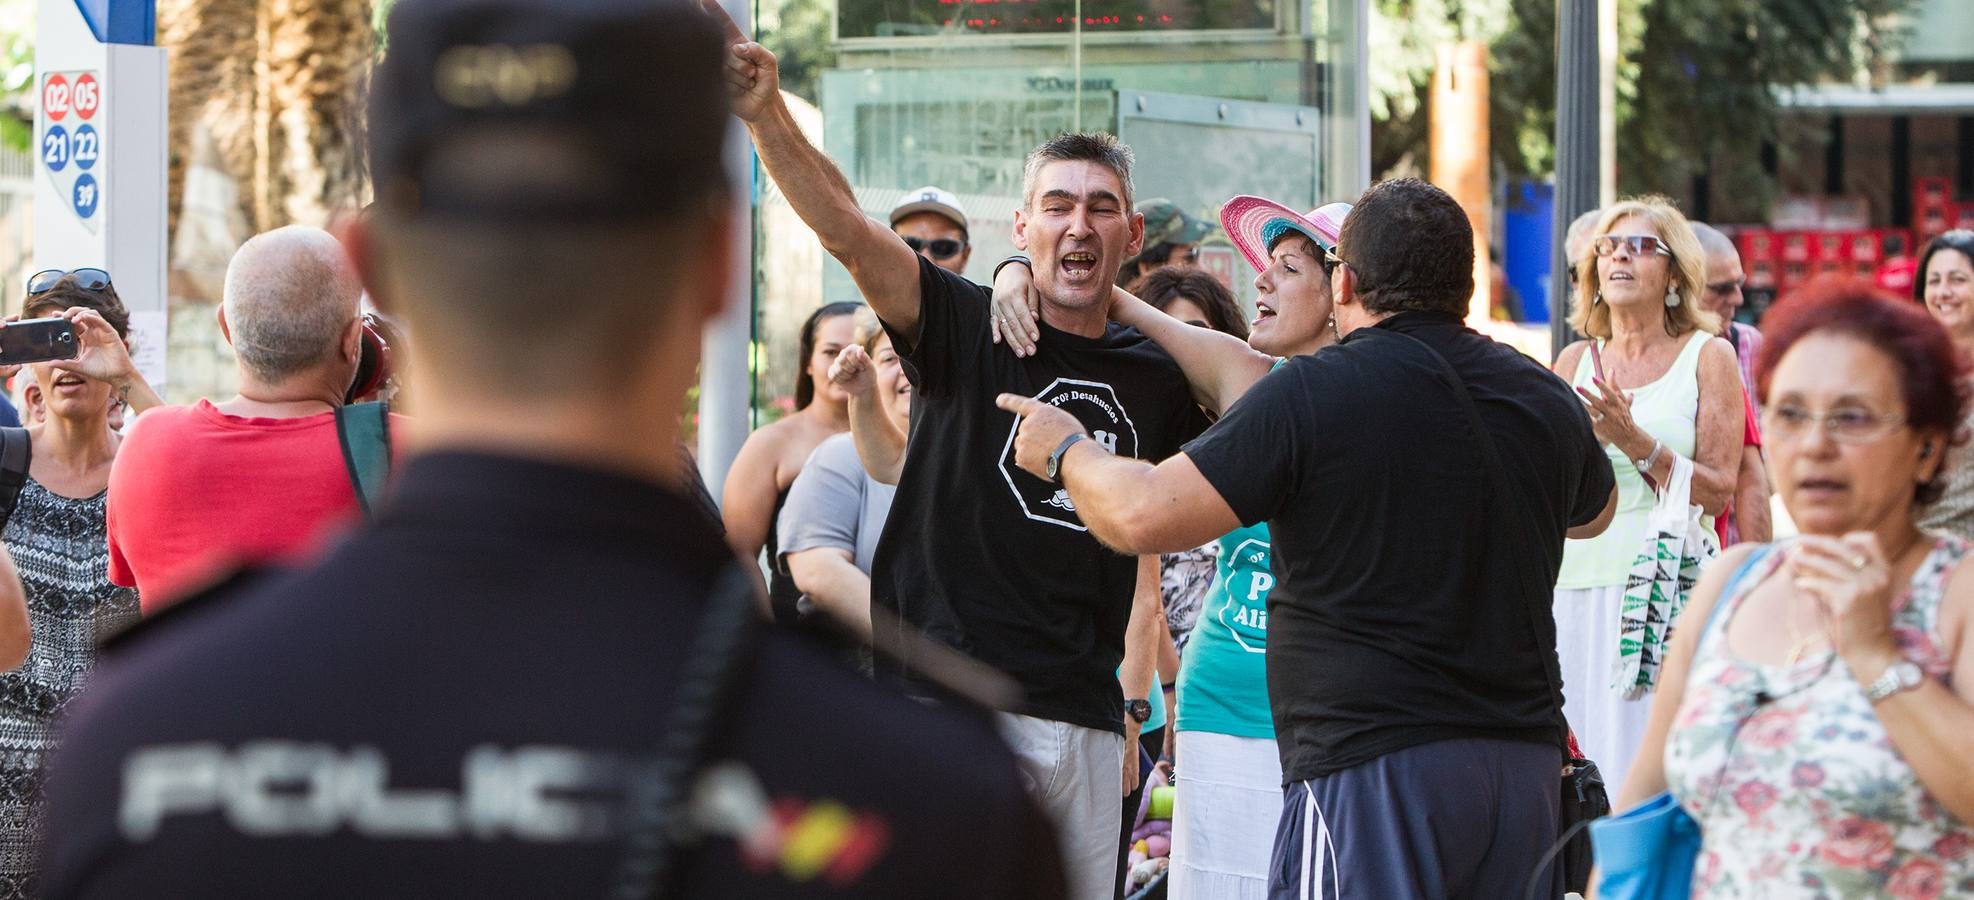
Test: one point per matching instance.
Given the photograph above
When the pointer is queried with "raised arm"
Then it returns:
(1220, 367)
(880, 445)
(884, 268)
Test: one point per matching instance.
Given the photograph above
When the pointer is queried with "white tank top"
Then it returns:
(1668, 409)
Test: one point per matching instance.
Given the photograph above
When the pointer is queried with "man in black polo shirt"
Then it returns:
(478, 695)
(1412, 662)
(978, 554)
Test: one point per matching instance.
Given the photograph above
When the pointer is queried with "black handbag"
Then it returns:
(1584, 801)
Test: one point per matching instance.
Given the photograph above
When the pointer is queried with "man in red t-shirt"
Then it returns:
(199, 490)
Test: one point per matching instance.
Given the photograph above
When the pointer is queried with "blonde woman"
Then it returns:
(1658, 384)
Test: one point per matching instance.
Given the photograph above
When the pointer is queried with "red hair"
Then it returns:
(1932, 371)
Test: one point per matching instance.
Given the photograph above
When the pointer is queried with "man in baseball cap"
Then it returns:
(1171, 239)
(933, 225)
(538, 671)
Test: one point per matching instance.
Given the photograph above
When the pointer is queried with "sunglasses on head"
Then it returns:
(87, 279)
(942, 248)
(1640, 244)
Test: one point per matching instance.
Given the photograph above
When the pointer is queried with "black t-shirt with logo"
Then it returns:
(1411, 604)
(458, 701)
(989, 559)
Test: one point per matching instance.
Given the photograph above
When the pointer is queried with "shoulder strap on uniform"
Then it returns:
(364, 430)
(708, 679)
(16, 450)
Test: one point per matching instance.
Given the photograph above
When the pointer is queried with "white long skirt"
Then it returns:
(1223, 816)
(1608, 727)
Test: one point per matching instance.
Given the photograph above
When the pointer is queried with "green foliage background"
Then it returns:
(1695, 80)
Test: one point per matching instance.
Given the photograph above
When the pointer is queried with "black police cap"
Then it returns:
(632, 90)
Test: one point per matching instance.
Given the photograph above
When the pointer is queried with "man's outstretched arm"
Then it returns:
(1130, 505)
(885, 269)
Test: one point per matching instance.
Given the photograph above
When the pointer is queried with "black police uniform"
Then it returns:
(453, 702)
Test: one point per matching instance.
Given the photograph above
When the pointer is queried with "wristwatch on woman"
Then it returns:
(1903, 675)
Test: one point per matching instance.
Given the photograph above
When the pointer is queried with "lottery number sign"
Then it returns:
(73, 138)
(56, 98)
(87, 96)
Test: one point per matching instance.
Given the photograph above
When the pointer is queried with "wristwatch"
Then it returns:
(1139, 710)
(1903, 675)
(1055, 459)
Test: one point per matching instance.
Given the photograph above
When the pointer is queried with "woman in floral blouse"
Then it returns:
(1814, 726)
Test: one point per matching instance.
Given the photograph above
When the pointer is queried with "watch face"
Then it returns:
(1139, 709)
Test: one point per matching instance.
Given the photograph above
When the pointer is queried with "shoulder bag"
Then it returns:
(16, 451)
(363, 430)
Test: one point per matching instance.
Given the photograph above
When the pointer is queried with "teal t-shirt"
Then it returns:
(1223, 680)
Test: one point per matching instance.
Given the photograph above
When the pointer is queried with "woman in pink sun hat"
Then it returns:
(1229, 770)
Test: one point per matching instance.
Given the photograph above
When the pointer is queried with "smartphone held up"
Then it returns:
(37, 340)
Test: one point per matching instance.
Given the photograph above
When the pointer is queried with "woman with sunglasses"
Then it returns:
(768, 462)
(1815, 714)
(1229, 785)
(56, 535)
(1945, 285)
(1658, 385)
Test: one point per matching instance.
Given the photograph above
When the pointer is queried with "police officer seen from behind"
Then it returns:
(479, 695)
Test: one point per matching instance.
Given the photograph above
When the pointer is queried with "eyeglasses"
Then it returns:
(1725, 287)
(1330, 262)
(87, 279)
(1845, 424)
(1640, 244)
(942, 248)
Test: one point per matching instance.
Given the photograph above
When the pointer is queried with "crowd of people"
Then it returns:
(1363, 584)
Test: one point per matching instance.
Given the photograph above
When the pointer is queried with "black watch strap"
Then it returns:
(1054, 468)
(1017, 258)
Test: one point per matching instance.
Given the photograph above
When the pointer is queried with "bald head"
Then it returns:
(290, 297)
(1713, 242)
(1577, 233)
(1722, 294)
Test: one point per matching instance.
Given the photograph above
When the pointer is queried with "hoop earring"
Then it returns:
(1672, 298)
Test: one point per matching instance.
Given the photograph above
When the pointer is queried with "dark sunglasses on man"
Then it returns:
(941, 248)
(1640, 244)
(87, 279)
(1330, 263)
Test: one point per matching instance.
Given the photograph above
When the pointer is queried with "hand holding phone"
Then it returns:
(37, 340)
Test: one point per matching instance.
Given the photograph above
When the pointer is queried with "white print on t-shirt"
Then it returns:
(1242, 611)
(1094, 404)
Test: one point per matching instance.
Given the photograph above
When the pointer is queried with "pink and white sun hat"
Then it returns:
(1256, 222)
